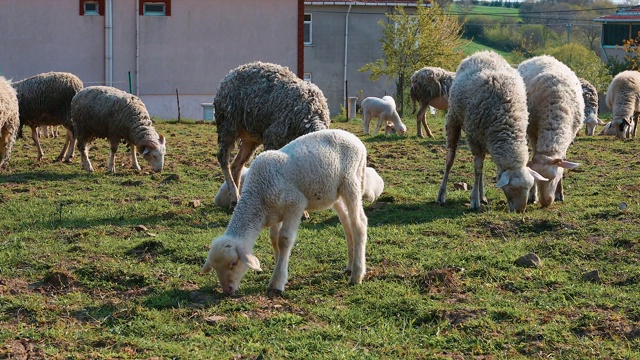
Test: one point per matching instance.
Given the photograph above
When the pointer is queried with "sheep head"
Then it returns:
(622, 127)
(591, 121)
(231, 261)
(154, 152)
(553, 170)
(516, 185)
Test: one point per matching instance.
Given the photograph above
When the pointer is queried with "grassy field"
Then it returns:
(106, 266)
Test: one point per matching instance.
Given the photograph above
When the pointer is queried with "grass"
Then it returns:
(79, 278)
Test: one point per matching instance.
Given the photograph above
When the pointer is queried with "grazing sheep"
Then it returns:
(263, 103)
(385, 110)
(590, 97)
(9, 119)
(488, 100)
(107, 112)
(623, 98)
(430, 87)
(608, 129)
(280, 185)
(45, 99)
(556, 113)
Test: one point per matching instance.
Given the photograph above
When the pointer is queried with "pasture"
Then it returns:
(95, 266)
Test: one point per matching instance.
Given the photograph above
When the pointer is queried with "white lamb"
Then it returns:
(279, 187)
(623, 98)
(488, 100)
(556, 114)
(385, 110)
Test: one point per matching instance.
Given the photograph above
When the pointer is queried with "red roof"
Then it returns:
(623, 15)
(367, 2)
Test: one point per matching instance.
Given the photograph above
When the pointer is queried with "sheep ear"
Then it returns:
(249, 259)
(162, 140)
(600, 122)
(504, 180)
(537, 176)
(565, 164)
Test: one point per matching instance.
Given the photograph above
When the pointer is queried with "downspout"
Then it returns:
(604, 52)
(137, 48)
(346, 53)
(108, 43)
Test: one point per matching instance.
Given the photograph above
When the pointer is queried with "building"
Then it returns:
(624, 24)
(155, 49)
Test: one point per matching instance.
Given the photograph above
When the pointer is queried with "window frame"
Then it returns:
(166, 3)
(307, 77)
(99, 12)
(308, 29)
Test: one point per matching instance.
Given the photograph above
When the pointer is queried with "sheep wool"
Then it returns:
(263, 103)
(430, 87)
(385, 110)
(278, 187)
(556, 113)
(9, 119)
(623, 98)
(488, 100)
(45, 99)
(109, 113)
(590, 97)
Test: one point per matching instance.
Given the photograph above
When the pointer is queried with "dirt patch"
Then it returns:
(148, 250)
(21, 349)
(441, 281)
(461, 316)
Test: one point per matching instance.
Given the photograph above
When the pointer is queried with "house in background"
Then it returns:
(151, 48)
(340, 38)
(624, 24)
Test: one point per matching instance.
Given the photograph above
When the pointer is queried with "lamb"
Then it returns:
(45, 99)
(590, 97)
(107, 112)
(280, 185)
(9, 119)
(556, 113)
(385, 110)
(263, 103)
(430, 87)
(623, 98)
(488, 100)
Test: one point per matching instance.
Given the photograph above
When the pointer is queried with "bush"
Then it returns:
(584, 62)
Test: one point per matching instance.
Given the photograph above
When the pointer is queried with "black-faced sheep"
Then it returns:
(45, 99)
(623, 98)
(430, 87)
(590, 97)
(106, 112)
(279, 186)
(385, 110)
(556, 113)
(488, 100)
(9, 119)
(263, 103)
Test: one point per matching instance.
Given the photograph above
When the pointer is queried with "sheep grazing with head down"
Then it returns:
(623, 98)
(488, 100)
(279, 186)
(590, 97)
(9, 119)
(45, 99)
(556, 113)
(608, 129)
(385, 110)
(107, 112)
(263, 103)
(430, 87)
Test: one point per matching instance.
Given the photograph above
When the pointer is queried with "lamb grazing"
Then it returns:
(488, 100)
(623, 98)
(556, 113)
(430, 87)
(280, 185)
(590, 97)
(263, 103)
(45, 99)
(385, 110)
(9, 119)
(107, 112)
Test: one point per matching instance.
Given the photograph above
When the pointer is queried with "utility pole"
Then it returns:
(568, 26)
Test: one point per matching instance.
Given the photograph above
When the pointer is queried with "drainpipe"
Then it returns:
(108, 43)
(604, 52)
(137, 48)
(346, 52)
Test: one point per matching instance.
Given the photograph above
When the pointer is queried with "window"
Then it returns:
(613, 34)
(155, 8)
(92, 7)
(307, 29)
(307, 77)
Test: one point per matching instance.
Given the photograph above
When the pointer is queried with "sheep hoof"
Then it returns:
(347, 272)
(274, 292)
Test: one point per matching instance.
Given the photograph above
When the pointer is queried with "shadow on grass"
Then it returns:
(24, 177)
(178, 298)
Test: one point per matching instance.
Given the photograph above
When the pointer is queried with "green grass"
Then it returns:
(77, 280)
(486, 10)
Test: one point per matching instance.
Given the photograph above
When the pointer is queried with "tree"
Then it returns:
(584, 62)
(429, 37)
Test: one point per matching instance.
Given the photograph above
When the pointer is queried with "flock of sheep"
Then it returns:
(307, 166)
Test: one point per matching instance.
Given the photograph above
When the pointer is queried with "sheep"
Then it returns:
(45, 99)
(107, 112)
(279, 186)
(608, 129)
(263, 103)
(385, 110)
(430, 87)
(556, 113)
(488, 100)
(590, 97)
(623, 98)
(9, 119)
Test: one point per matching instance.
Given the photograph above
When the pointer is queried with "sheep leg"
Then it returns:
(380, 121)
(477, 193)
(358, 223)
(36, 139)
(134, 158)
(245, 151)
(286, 239)
(112, 156)
(84, 155)
(366, 119)
(341, 211)
(5, 145)
(224, 153)
(71, 140)
(421, 118)
(453, 135)
(274, 231)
